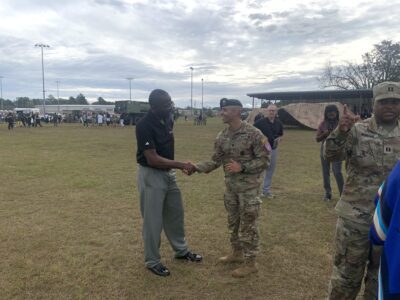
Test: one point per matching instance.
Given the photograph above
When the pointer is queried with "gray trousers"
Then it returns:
(270, 171)
(161, 208)
(337, 172)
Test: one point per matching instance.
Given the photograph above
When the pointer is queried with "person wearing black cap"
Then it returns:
(330, 122)
(160, 197)
(244, 153)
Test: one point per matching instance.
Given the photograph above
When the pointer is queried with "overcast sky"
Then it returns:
(237, 47)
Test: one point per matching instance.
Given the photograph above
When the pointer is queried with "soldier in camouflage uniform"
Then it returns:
(245, 154)
(371, 148)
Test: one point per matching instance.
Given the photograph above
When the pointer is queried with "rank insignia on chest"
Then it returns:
(387, 149)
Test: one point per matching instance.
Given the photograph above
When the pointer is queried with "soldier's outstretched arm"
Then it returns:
(214, 163)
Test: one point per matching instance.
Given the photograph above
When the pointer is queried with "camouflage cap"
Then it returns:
(229, 102)
(386, 90)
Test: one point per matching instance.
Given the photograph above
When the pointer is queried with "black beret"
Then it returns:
(229, 102)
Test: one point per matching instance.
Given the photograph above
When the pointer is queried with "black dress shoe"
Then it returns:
(160, 270)
(191, 257)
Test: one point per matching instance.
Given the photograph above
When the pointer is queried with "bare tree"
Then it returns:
(381, 64)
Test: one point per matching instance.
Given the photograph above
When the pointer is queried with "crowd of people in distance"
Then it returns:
(86, 118)
(200, 120)
(100, 118)
(28, 120)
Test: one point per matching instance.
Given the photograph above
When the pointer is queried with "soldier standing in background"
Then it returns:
(244, 153)
(371, 148)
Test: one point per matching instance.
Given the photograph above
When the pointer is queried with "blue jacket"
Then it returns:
(385, 230)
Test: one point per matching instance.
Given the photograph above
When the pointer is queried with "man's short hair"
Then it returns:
(271, 104)
(157, 97)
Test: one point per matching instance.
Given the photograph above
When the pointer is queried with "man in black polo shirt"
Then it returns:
(272, 128)
(160, 197)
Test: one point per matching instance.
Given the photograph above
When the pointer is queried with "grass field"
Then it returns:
(71, 227)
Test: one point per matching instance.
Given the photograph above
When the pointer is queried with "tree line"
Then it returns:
(25, 102)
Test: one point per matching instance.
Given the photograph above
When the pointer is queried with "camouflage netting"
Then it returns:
(307, 115)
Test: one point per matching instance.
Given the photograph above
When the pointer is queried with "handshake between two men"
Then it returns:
(231, 167)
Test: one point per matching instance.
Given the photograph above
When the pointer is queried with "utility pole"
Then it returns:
(44, 92)
(130, 87)
(202, 92)
(191, 90)
(1, 90)
(58, 97)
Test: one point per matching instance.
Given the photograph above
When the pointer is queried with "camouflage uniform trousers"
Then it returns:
(243, 211)
(354, 253)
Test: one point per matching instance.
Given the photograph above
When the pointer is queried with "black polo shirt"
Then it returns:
(270, 130)
(154, 133)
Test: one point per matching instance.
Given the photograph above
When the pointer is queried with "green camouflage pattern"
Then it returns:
(370, 153)
(249, 147)
(352, 252)
(243, 212)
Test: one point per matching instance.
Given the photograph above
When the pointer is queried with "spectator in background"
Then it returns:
(37, 120)
(121, 120)
(100, 119)
(272, 128)
(85, 120)
(55, 120)
(330, 122)
(10, 120)
(108, 119)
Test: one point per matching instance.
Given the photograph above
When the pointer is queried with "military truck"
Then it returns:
(133, 111)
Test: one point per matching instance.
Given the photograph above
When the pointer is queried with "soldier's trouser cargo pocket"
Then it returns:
(352, 254)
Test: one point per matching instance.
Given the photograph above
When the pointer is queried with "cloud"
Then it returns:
(236, 47)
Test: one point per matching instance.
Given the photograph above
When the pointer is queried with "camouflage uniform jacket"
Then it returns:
(248, 146)
(370, 153)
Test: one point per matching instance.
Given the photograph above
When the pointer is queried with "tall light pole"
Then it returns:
(1, 91)
(191, 90)
(202, 92)
(58, 97)
(44, 92)
(130, 87)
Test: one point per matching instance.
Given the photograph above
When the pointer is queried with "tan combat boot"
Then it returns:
(250, 266)
(235, 257)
